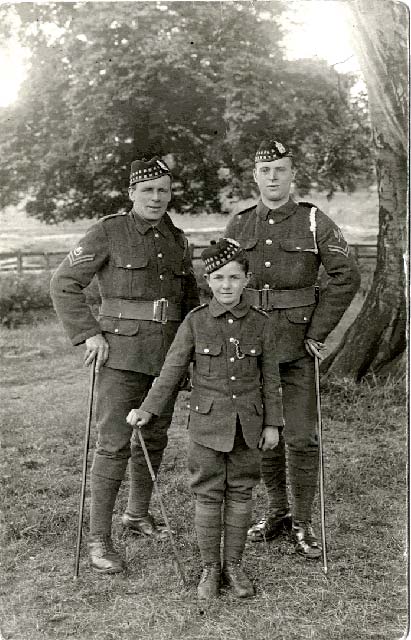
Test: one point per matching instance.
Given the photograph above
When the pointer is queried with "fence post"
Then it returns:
(191, 250)
(47, 259)
(19, 256)
(356, 251)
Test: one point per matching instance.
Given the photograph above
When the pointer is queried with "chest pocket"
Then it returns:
(129, 270)
(299, 245)
(251, 350)
(206, 357)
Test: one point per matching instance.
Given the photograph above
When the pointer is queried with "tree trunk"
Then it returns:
(376, 341)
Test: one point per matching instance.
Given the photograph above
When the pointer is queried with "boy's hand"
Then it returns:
(269, 438)
(138, 417)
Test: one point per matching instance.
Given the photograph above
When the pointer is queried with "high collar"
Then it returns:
(143, 226)
(279, 214)
(239, 311)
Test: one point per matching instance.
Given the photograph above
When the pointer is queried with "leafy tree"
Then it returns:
(202, 82)
(376, 342)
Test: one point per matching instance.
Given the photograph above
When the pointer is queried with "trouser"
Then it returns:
(117, 392)
(300, 436)
(218, 478)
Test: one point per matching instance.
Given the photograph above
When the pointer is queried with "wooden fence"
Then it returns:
(22, 261)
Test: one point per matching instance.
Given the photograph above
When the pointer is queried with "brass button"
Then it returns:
(267, 264)
(268, 241)
(206, 350)
(128, 266)
(232, 339)
(266, 286)
(252, 351)
(156, 235)
(232, 377)
(115, 330)
(230, 321)
(271, 221)
(196, 407)
(305, 318)
(232, 359)
(159, 255)
(234, 396)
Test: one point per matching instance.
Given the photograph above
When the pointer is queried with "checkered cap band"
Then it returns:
(270, 150)
(142, 170)
(217, 255)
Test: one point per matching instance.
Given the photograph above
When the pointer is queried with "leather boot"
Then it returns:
(144, 526)
(234, 576)
(306, 542)
(270, 527)
(209, 585)
(102, 555)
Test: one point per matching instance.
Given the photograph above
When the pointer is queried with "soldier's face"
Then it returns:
(150, 198)
(228, 282)
(274, 179)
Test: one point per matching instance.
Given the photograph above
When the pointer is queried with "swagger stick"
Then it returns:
(163, 511)
(321, 466)
(84, 472)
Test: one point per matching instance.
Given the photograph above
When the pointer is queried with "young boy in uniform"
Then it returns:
(235, 411)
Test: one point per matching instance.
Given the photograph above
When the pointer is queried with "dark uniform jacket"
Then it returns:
(235, 373)
(133, 261)
(286, 247)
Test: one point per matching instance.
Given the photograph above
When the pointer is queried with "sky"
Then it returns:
(317, 28)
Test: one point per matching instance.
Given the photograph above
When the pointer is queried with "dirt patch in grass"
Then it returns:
(364, 596)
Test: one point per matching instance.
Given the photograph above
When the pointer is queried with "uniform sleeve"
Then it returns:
(71, 277)
(271, 383)
(343, 278)
(191, 297)
(174, 368)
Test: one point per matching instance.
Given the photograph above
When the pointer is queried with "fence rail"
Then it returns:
(21, 261)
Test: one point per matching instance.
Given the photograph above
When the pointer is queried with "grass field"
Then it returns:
(43, 400)
(357, 214)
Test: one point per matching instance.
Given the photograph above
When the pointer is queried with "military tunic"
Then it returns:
(286, 248)
(236, 387)
(132, 261)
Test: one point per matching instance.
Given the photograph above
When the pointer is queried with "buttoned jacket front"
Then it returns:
(132, 260)
(235, 373)
(285, 251)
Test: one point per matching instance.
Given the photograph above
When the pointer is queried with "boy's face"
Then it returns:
(228, 282)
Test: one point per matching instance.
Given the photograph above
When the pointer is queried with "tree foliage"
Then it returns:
(200, 82)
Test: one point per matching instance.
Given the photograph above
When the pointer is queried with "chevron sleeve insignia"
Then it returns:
(76, 256)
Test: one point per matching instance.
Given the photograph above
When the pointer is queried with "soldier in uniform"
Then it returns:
(233, 349)
(286, 243)
(147, 286)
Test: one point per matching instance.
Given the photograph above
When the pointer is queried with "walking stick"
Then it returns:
(321, 468)
(163, 511)
(84, 472)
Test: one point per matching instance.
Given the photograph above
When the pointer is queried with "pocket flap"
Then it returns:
(127, 261)
(249, 243)
(201, 405)
(250, 348)
(118, 326)
(300, 315)
(298, 244)
(208, 348)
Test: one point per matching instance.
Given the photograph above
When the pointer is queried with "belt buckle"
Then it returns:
(160, 310)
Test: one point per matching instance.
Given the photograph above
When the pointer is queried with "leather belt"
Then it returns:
(269, 299)
(155, 310)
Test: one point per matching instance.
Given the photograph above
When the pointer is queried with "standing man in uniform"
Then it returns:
(286, 243)
(147, 286)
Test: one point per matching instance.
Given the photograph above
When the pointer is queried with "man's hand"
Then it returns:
(314, 348)
(138, 418)
(96, 348)
(269, 438)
